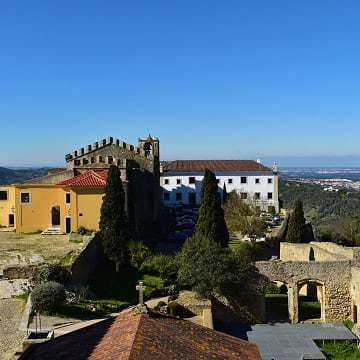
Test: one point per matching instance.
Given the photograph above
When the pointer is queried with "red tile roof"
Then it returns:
(92, 178)
(131, 336)
(213, 165)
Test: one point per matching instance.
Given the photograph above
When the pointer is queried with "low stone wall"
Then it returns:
(188, 300)
(87, 262)
(19, 272)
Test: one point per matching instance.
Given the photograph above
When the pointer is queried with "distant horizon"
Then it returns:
(349, 161)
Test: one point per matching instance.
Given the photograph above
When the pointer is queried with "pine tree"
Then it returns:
(296, 227)
(114, 226)
(211, 221)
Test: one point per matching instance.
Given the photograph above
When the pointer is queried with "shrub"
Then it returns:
(272, 289)
(138, 253)
(164, 266)
(82, 230)
(54, 272)
(159, 305)
(48, 296)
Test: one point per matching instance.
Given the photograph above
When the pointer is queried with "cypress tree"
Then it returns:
(114, 226)
(225, 194)
(296, 226)
(211, 221)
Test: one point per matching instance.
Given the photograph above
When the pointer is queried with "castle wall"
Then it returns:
(321, 251)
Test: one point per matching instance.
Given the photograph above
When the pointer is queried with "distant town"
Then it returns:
(331, 179)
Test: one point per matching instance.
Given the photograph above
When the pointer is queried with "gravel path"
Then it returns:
(10, 315)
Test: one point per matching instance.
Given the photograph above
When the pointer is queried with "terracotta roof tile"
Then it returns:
(91, 178)
(131, 336)
(213, 165)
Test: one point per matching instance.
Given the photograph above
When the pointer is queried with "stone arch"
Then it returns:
(316, 289)
(148, 148)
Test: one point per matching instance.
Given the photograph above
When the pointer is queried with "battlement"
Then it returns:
(99, 145)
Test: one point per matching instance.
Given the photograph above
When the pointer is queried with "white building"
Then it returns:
(181, 181)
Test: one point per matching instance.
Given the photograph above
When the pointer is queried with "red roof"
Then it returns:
(92, 178)
(213, 165)
(132, 336)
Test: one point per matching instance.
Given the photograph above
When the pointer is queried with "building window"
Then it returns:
(3, 195)
(257, 196)
(218, 181)
(243, 180)
(178, 196)
(243, 195)
(25, 197)
(166, 181)
(178, 181)
(77, 162)
(67, 198)
(92, 160)
(270, 180)
(166, 196)
(85, 161)
(270, 195)
(257, 180)
(192, 180)
(230, 181)
(101, 159)
(110, 159)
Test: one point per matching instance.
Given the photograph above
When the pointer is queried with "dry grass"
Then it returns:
(25, 249)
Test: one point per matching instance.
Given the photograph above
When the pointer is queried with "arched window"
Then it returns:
(148, 148)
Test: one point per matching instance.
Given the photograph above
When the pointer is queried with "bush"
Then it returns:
(164, 266)
(272, 289)
(48, 296)
(82, 230)
(138, 253)
(54, 272)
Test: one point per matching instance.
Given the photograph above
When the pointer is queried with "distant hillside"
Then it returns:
(321, 207)
(11, 176)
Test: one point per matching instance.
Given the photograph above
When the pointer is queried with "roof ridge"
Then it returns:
(135, 335)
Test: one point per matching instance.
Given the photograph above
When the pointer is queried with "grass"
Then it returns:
(110, 285)
(278, 304)
(88, 310)
(341, 351)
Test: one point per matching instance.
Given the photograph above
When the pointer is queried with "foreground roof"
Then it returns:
(131, 336)
(213, 165)
(92, 178)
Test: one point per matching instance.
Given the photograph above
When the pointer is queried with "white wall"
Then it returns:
(251, 187)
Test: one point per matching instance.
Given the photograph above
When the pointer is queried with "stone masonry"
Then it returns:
(333, 269)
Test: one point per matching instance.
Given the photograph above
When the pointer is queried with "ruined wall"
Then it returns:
(321, 251)
(87, 262)
(334, 276)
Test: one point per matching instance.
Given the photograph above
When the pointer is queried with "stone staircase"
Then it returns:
(52, 230)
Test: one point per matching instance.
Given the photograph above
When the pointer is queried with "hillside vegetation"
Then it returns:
(323, 209)
(11, 176)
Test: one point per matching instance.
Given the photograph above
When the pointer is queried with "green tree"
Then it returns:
(47, 296)
(212, 270)
(211, 222)
(114, 226)
(296, 226)
(225, 194)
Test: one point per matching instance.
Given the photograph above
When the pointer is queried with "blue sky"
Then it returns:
(212, 79)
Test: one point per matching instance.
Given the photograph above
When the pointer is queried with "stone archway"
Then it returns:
(315, 292)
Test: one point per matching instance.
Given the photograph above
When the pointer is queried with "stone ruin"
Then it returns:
(332, 270)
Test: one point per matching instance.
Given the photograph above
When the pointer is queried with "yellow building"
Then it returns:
(58, 208)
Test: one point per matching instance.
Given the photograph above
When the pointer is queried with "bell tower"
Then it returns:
(149, 147)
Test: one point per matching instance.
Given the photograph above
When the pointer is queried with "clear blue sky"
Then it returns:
(211, 79)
